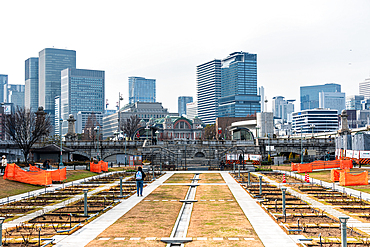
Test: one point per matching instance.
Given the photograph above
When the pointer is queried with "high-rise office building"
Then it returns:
(364, 88)
(208, 90)
(16, 94)
(58, 115)
(192, 110)
(315, 120)
(332, 100)
(82, 91)
(261, 92)
(51, 62)
(31, 93)
(310, 94)
(282, 108)
(141, 89)
(353, 102)
(3, 88)
(181, 104)
(239, 96)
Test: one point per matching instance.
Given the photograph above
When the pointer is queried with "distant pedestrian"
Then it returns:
(46, 164)
(140, 176)
(4, 162)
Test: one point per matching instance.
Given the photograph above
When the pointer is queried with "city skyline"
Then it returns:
(298, 43)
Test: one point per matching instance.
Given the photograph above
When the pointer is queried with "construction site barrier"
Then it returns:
(104, 166)
(319, 164)
(346, 179)
(335, 174)
(95, 167)
(56, 175)
(15, 173)
(346, 164)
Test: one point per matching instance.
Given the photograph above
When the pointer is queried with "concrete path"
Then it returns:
(90, 231)
(266, 228)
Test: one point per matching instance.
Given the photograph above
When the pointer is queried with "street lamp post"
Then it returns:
(61, 148)
(2, 219)
(125, 149)
(119, 111)
(97, 137)
(301, 148)
(312, 127)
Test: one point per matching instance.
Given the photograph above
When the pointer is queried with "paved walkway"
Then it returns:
(267, 230)
(90, 231)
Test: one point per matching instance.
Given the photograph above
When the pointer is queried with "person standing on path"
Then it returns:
(140, 175)
(4, 162)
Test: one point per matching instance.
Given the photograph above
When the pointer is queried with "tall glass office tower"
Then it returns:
(181, 104)
(208, 90)
(3, 88)
(141, 89)
(51, 63)
(16, 94)
(82, 90)
(310, 94)
(31, 94)
(239, 96)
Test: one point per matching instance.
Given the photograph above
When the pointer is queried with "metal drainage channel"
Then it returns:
(178, 235)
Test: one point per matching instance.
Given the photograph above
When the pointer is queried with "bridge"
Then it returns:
(179, 151)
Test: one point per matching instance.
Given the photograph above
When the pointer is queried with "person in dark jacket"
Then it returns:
(140, 176)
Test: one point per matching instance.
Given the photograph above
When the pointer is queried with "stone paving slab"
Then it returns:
(90, 231)
(267, 230)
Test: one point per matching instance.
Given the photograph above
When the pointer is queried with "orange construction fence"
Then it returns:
(319, 164)
(104, 166)
(347, 179)
(56, 175)
(95, 167)
(335, 174)
(15, 173)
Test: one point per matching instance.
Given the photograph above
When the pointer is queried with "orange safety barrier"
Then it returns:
(95, 167)
(304, 168)
(335, 174)
(346, 179)
(346, 164)
(319, 164)
(294, 167)
(104, 166)
(15, 173)
(56, 175)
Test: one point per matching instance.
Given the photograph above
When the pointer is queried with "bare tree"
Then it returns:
(89, 130)
(130, 125)
(26, 127)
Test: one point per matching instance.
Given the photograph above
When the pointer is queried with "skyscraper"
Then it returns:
(16, 94)
(239, 86)
(364, 88)
(282, 108)
(3, 88)
(353, 102)
(208, 90)
(181, 104)
(141, 89)
(31, 93)
(332, 100)
(310, 94)
(51, 63)
(82, 90)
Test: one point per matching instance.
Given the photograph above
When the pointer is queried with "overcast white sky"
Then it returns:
(298, 43)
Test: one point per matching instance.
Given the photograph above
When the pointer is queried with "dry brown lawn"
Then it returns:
(219, 219)
(180, 178)
(211, 178)
(11, 188)
(147, 219)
